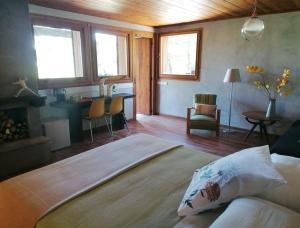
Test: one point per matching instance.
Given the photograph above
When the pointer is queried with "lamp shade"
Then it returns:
(232, 75)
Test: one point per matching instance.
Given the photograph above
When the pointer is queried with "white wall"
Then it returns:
(224, 48)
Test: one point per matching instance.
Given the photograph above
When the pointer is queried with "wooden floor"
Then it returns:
(170, 128)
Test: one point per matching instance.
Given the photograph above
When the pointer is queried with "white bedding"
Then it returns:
(287, 195)
(245, 173)
(251, 212)
(278, 207)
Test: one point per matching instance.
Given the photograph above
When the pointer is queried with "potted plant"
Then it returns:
(272, 86)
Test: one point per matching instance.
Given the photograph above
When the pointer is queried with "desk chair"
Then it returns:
(116, 107)
(96, 111)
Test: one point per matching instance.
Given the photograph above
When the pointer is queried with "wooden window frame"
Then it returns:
(194, 77)
(85, 44)
(113, 31)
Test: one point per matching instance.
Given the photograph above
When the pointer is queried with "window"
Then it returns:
(180, 55)
(111, 54)
(75, 53)
(58, 52)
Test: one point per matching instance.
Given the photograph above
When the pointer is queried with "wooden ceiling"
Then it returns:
(165, 12)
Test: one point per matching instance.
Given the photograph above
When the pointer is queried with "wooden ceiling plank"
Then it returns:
(271, 5)
(174, 11)
(138, 19)
(224, 6)
(245, 8)
(229, 6)
(162, 12)
(150, 10)
(262, 8)
(192, 6)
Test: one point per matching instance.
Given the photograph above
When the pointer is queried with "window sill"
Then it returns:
(179, 77)
(124, 79)
(72, 82)
(62, 83)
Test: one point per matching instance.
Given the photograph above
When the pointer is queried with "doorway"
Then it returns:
(142, 70)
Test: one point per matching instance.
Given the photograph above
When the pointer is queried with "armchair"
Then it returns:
(200, 121)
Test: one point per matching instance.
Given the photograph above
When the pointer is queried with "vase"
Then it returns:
(109, 90)
(271, 112)
(101, 89)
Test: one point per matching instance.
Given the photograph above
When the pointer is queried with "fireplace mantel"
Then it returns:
(34, 101)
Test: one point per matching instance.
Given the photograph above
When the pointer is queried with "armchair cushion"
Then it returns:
(205, 109)
(203, 122)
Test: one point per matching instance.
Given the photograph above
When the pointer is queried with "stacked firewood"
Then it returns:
(11, 130)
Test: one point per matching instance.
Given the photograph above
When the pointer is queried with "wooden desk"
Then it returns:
(74, 111)
(259, 118)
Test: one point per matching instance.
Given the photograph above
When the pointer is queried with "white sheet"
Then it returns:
(253, 212)
(287, 195)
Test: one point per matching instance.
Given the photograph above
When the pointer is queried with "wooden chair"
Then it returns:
(116, 107)
(96, 111)
(204, 122)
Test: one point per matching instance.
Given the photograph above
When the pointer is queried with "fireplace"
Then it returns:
(19, 118)
(22, 146)
(13, 125)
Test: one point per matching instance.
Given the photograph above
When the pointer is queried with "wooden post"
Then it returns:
(218, 122)
(188, 117)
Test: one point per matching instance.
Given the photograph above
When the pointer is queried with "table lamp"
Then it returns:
(231, 76)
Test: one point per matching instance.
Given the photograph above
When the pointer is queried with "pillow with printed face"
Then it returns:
(245, 173)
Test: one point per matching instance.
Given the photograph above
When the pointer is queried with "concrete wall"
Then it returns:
(224, 48)
(17, 55)
(16, 47)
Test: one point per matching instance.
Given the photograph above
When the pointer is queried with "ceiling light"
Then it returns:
(253, 27)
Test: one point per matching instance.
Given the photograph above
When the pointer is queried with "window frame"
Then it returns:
(194, 77)
(111, 31)
(54, 22)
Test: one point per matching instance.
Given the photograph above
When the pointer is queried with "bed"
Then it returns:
(138, 181)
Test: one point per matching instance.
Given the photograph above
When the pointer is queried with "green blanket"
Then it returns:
(145, 196)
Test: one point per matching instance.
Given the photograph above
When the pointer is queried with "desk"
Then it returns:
(74, 111)
(259, 118)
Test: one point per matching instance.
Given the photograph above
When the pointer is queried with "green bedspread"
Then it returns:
(145, 196)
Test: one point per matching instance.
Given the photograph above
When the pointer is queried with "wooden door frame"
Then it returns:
(153, 81)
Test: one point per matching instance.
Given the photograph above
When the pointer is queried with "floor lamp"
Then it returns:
(231, 76)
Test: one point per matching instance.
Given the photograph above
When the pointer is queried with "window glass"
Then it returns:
(59, 52)
(111, 54)
(178, 54)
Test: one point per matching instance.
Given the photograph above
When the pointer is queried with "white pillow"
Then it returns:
(287, 195)
(248, 172)
(253, 212)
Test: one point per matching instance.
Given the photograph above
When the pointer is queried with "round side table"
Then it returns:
(258, 118)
